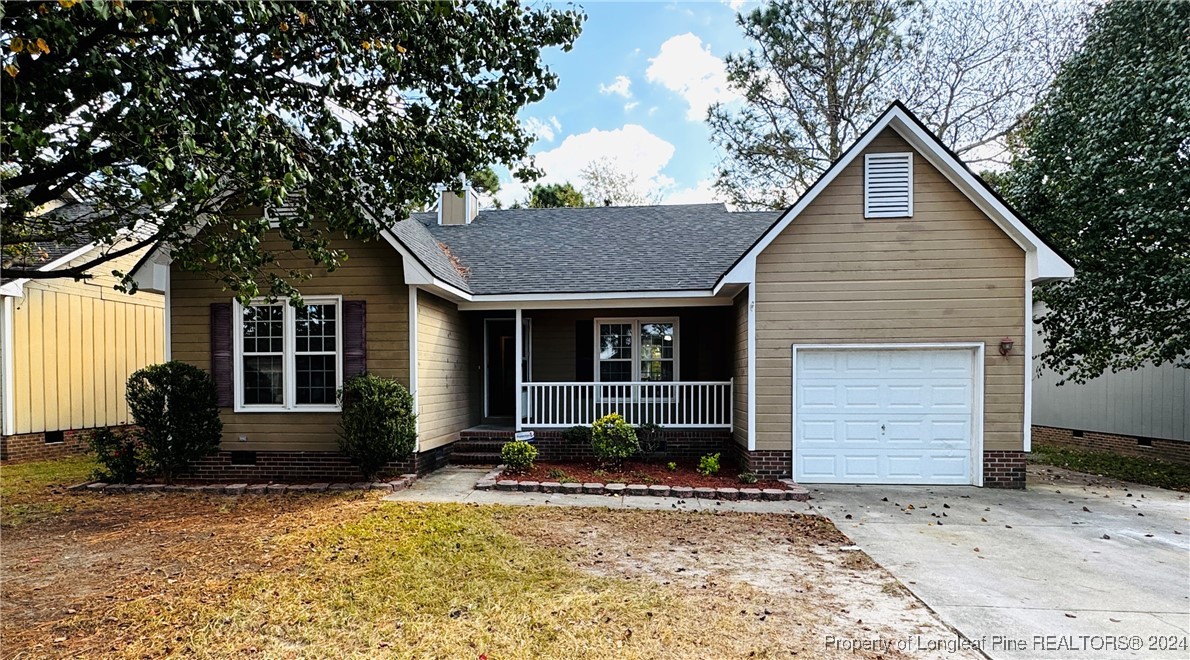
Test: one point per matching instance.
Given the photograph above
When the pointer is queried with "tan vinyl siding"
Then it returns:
(948, 274)
(443, 377)
(739, 420)
(373, 273)
(74, 346)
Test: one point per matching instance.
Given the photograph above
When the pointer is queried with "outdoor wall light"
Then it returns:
(1005, 346)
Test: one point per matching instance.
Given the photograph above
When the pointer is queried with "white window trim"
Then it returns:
(908, 155)
(288, 325)
(636, 322)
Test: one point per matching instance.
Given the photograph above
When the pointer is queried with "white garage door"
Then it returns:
(901, 416)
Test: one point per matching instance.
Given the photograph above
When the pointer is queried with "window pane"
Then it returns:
(315, 328)
(263, 332)
(656, 341)
(657, 370)
(615, 341)
(615, 372)
(263, 381)
(315, 379)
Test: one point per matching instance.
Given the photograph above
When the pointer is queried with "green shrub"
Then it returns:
(376, 426)
(518, 456)
(709, 465)
(579, 435)
(176, 407)
(557, 473)
(748, 477)
(118, 455)
(671, 466)
(651, 438)
(613, 440)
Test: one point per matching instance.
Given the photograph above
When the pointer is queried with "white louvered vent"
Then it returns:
(888, 185)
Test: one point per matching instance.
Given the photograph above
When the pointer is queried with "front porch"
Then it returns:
(676, 368)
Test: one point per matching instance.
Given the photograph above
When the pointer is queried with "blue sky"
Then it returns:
(634, 89)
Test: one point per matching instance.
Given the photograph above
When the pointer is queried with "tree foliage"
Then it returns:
(808, 81)
(555, 195)
(818, 71)
(166, 116)
(1105, 170)
(605, 183)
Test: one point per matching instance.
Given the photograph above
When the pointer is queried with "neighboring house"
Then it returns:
(67, 348)
(1140, 412)
(855, 337)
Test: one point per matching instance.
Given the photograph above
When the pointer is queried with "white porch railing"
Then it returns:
(699, 404)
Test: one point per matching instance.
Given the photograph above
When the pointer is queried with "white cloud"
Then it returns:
(621, 85)
(687, 67)
(633, 148)
(735, 4)
(637, 150)
(702, 192)
(630, 105)
(544, 129)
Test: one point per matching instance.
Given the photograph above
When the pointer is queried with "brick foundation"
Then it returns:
(1004, 469)
(768, 463)
(675, 444)
(1176, 451)
(33, 446)
(304, 466)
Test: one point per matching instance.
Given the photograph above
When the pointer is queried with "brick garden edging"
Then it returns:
(791, 492)
(400, 483)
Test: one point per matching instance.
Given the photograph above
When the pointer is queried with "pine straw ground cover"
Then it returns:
(346, 575)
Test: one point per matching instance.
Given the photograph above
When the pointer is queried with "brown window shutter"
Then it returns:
(221, 353)
(355, 343)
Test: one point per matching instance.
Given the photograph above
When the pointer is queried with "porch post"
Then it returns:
(520, 373)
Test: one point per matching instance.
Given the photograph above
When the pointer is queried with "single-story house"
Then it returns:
(875, 332)
(67, 348)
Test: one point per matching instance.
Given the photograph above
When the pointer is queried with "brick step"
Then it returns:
(488, 446)
(474, 458)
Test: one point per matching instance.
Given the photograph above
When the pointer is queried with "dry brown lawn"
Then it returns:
(184, 575)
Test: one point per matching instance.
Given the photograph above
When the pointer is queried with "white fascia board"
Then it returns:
(743, 272)
(1046, 264)
(16, 288)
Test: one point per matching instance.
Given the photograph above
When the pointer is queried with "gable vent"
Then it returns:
(888, 185)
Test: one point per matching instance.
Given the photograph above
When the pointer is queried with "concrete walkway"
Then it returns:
(1069, 563)
(457, 484)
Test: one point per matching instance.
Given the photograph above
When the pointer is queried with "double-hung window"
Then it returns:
(636, 350)
(288, 358)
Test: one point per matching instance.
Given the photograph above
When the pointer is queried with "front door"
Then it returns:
(500, 382)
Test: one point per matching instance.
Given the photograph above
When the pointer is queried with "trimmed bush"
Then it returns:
(613, 440)
(518, 455)
(709, 465)
(376, 426)
(748, 477)
(579, 435)
(176, 407)
(117, 454)
(651, 438)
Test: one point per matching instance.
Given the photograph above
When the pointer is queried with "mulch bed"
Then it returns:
(634, 472)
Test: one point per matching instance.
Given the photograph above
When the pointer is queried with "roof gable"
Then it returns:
(1042, 262)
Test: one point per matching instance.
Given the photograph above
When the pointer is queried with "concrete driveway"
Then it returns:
(1075, 567)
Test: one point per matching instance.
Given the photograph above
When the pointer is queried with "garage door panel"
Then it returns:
(884, 416)
(859, 396)
(818, 396)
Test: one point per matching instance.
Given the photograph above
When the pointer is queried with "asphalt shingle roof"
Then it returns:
(586, 250)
